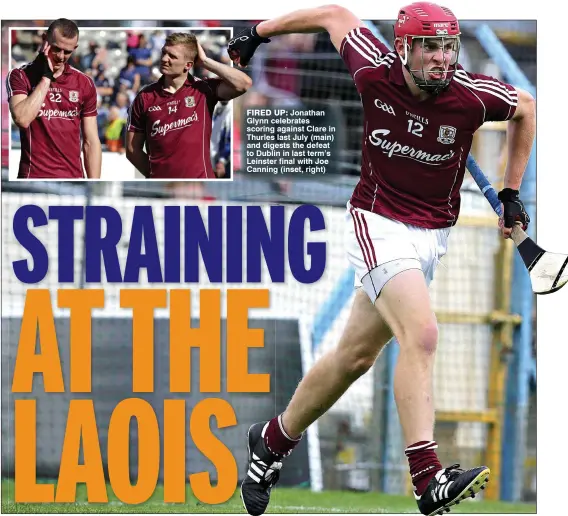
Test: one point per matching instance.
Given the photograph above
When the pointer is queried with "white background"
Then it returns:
(552, 171)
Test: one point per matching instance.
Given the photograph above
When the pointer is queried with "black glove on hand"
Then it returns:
(513, 208)
(242, 47)
(44, 67)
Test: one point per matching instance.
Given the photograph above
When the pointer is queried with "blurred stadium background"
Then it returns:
(485, 375)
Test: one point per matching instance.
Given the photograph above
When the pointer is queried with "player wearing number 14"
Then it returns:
(170, 120)
(421, 109)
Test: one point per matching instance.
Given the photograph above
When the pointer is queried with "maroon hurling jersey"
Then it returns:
(414, 152)
(51, 145)
(177, 127)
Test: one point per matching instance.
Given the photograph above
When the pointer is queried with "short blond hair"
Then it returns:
(187, 39)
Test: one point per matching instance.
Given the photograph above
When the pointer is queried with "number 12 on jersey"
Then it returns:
(415, 127)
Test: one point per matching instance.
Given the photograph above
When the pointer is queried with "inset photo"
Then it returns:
(120, 103)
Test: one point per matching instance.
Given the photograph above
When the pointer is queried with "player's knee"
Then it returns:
(421, 338)
(427, 337)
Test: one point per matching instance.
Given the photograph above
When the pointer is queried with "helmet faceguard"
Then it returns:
(436, 31)
(446, 46)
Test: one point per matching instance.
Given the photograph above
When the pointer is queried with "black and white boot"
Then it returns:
(449, 487)
(263, 471)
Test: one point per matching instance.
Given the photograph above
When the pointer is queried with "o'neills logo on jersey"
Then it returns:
(58, 113)
(406, 151)
(158, 128)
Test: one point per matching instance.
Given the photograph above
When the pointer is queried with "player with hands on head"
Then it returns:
(170, 121)
(55, 107)
(421, 109)
(44, 62)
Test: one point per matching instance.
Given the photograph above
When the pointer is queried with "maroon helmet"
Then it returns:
(434, 28)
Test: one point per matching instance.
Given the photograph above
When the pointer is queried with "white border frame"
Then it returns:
(552, 181)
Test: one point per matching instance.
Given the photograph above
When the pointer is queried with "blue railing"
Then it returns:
(521, 368)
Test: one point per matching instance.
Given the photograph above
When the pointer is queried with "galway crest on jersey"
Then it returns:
(447, 134)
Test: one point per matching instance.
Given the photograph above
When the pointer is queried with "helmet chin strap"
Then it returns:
(405, 58)
(433, 89)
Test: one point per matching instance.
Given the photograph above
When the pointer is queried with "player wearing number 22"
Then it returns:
(55, 107)
(172, 117)
(421, 109)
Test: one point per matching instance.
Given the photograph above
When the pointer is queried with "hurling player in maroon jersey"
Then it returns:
(169, 123)
(55, 107)
(421, 109)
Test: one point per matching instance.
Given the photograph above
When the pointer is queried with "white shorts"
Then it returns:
(379, 248)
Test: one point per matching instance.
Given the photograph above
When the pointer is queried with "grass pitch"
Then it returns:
(283, 501)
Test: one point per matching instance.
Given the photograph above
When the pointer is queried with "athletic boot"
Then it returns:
(449, 487)
(263, 472)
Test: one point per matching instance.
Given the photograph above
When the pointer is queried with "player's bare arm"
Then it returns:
(25, 108)
(135, 152)
(337, 21)
(521, 131)
(92, 153)
(235, 82)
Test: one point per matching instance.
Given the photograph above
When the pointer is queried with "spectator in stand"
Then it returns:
(104, 85)
(37, 38)
(129, 76)
(132, 40)
(122, 88)
(75, 62)
(157, 41)
(221, 139)
(102, 117)
(115, 130)
(122, 103)
(142, 57)
(18, 57)
(92, 59)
